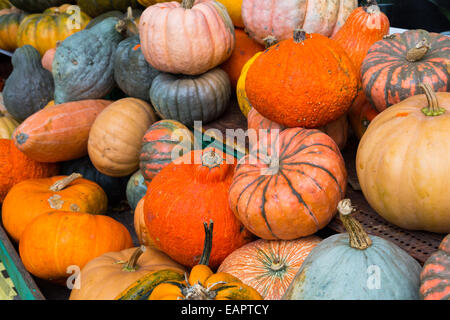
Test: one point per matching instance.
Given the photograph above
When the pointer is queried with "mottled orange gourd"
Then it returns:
(308, 81)
(187, 192)
(244, 50)
(269, 266)
(16, 167)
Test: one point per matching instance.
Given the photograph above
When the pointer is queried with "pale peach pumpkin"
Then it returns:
(186, 38)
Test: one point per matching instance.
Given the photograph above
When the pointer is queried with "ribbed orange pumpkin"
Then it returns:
(71, 193)
(59, 132)
(308, 81)
(244, 50)
(140, 227)
(55, 241)
(16, 167)
(292, 189)
(269, 266)
(186, 193)
(186, 38)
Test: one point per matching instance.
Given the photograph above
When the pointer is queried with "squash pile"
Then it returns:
(98, 113)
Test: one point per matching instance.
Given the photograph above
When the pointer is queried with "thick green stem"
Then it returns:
(358, 238)
(433, 109)
(207, 246)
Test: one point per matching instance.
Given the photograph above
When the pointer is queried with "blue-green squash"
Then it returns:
(132, 73)
(95, 8)
(191, 98)
(83, 66)
(113, 187)
(29, 87)
(136, 189)
(38, 6)
(355, 266)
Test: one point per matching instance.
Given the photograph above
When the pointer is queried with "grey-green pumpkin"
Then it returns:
(83, 66)
(38, 5)
(356, 266)
(132, 73)
(136, 189)
(29, 87)
(191, 98)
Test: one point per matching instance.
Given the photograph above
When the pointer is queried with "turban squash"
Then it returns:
(290, 187)
(316, 87)
(403, 160)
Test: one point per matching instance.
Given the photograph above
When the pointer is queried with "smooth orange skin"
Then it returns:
(16, 167)
(244, 50)
(296, 195)
(71, 239)
(307, 84)
(60, 132)
(180, 198)
(140, 227)
(360, 114)
(47, 59)
(79, 196)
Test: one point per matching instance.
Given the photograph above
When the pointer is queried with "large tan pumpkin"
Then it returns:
(115, 138)
(403, 163)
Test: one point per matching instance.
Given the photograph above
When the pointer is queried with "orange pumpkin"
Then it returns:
(269, 266)
(244, 50)
(196, 187)
(16, 167)
(64, 193)
(360, 114)
(71, 239)
(316, 86)
(60, 132)
(289, 188)
(196, 38)
(140, 227)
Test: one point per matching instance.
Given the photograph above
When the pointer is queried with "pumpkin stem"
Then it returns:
(417, 53)
(131, 264)
(130, 13)
(207, 246)
(61, 184)
(277, 265)
(121, 26)
(270, 41)
(370, 3)
(299, 35)
(359, 239)
(433, 108)
(187, 4)
(211, 159)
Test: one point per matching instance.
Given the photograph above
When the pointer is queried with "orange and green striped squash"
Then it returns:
(9, 26)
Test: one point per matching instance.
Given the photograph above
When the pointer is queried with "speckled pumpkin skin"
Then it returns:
(136, 189)
(83, 65)
(132, 73)
(191, 98)
(335, 271)
(316, 86)
(38, 5)
(435, 276)
(29, 87)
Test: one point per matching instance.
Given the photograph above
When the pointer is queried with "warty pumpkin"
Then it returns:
(72, 239)
(244, 50)
(95, 8)
(317, 86)
(395, 67)
(269, 266)
(38, 5)
(16, 167)
(116, 136)
(355, 266)
(63, 193)
(164, 141)
(196, 186)
(29, 87)
(290, 187)
(280, 18)
(136, 189)
(9, 27)
(201, 284)
(44, 30)
(403, 160)
(83, 66)
(197, 37)
(435, 275)
(7, 125)
(59, 132)
(191, 98)
(108, 275)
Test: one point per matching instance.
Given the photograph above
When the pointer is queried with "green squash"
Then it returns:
(191, 98)
(38, 5)
(136, 189)
(95, 8)
(29, 87)
(133, 74)
(355, 266)
(83, 63)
